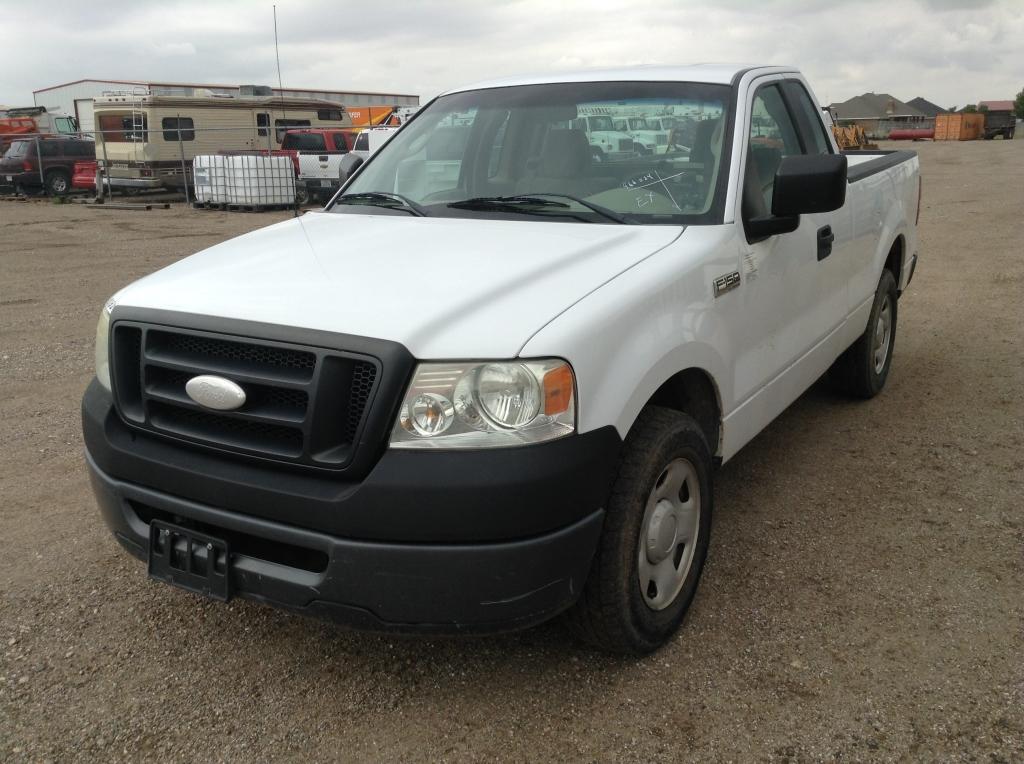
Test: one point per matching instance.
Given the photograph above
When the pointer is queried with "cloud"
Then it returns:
(949, 51)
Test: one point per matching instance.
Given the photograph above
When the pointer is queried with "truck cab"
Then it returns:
(606, 140)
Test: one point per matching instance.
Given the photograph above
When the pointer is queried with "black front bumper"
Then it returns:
(484, 540)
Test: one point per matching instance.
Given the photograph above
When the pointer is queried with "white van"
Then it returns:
(371, 139)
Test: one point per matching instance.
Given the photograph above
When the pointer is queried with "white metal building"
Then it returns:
(75, 98)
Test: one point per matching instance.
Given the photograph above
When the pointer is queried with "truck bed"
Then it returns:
(863, 164)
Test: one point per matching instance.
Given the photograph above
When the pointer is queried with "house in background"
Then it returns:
(926, 107)
(995, 105)
(879, 113)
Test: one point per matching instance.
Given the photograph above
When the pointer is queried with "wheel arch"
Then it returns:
(894, 260)
(693, 391)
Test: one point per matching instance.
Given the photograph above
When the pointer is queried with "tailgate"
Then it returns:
(314, 165)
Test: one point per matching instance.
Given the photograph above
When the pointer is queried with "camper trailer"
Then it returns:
(149, 141)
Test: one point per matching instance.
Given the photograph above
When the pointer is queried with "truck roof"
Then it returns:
(721, 74)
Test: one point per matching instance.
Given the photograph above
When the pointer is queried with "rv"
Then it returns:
(149, 141)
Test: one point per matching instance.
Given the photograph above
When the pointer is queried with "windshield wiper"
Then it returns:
(521, 201)
(383, 199)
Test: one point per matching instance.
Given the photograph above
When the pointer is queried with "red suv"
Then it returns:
(49, 168)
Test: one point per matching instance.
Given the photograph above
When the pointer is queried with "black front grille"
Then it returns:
(303, 404)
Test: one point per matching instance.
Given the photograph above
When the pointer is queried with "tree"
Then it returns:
(1018, 104)
(969, 109)
(983, 107)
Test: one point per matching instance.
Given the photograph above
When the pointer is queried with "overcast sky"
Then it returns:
(951, 52)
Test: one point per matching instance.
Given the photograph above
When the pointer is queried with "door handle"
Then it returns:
(825, 240)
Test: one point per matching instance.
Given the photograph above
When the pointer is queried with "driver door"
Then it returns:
(793, 297)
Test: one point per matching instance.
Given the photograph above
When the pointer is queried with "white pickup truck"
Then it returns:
(470, 401)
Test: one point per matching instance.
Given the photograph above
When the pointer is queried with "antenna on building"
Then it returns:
(277, 55)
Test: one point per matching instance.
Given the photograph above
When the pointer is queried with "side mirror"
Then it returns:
(809, 183)
(803, 184)
(348, 165)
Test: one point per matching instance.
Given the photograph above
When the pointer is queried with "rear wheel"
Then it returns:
(655, 538)
(58, 183)
(863, 369)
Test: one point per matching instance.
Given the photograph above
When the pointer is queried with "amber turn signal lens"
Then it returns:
(558, 389)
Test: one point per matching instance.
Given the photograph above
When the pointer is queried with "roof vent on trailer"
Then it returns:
(255, 90)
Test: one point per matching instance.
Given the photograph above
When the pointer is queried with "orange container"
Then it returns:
(959, 127)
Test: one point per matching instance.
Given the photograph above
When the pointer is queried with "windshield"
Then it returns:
(468, 154)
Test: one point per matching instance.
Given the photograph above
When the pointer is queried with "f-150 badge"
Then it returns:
(726, 283)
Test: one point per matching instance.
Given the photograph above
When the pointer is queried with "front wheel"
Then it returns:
(656, 533)
(863, 369)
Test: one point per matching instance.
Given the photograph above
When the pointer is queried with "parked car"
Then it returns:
(470, 401)
(370, 140)
(318, 140)
(317, 154)
(48, 168)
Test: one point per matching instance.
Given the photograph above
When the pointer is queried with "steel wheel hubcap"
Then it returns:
(668, 536)
(883, 330)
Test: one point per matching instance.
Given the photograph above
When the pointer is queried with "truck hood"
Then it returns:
(443, 287)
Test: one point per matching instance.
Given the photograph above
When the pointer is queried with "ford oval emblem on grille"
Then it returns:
(215, 392)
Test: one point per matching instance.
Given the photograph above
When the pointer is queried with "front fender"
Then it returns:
(627, 338)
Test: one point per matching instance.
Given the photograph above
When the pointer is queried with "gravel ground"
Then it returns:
(863, 599)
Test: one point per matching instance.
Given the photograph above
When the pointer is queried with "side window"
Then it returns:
(329, 115)
(172, 125)
(362, 142)
(262, 123)
(773, 135)
(339, 142)
(812, 127)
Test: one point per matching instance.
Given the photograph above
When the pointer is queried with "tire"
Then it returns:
(616, 612)
(862, 370)
(301, 196)
(58, 183)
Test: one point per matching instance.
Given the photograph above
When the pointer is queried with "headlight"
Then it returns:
(486, 405)
(103, 344)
